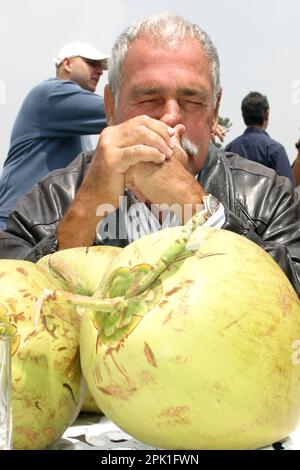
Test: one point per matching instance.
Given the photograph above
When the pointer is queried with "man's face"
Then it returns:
(171, 84)
(85, 72)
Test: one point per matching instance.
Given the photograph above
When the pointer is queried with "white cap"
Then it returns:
(81, 49)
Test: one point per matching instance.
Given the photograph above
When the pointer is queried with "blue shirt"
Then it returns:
(50, 130)
(256, 145)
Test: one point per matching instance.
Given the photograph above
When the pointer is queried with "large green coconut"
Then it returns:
(46, 375)
(45, 356)
(197, 350)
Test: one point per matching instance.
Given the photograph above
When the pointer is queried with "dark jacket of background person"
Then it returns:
(255, 143)
(259, 205)
(50, 129)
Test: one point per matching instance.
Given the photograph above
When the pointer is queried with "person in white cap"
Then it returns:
(82, 63)
(54, 122)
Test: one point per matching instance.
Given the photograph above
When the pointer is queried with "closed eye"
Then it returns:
(192, 102)
(149, 100)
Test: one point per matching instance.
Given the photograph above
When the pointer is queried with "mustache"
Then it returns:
(189, 147)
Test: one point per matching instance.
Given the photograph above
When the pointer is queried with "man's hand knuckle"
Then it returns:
(105, 138)
(144, 131)
(145, 119)
(138, 150)
(142, 119)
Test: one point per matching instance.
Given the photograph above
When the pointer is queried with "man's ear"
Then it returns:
(266, 115)
(67, 65)
(216, 108)
(109, 106)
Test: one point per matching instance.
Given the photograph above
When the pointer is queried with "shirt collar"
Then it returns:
(255, 130)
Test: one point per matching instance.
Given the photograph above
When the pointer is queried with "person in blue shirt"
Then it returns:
(54, 122)
(255, 143)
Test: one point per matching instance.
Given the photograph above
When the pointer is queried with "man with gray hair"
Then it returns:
(162, 105)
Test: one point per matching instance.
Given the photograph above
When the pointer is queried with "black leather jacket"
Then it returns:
(258, 205)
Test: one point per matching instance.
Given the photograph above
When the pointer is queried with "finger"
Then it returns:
(220, 132)
(143, 135)
(147, 131)
(179, 152)
(221, 136)
(179, 131)
(137, 154)
(165, 131)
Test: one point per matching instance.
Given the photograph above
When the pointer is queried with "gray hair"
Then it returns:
(170, 28)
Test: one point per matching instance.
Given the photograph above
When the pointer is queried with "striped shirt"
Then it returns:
(141, 220)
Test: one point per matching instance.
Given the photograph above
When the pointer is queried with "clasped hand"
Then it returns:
(140, 154)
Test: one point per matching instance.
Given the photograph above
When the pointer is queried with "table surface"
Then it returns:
(96, 432)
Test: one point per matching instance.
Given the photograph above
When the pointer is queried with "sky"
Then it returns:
(258, 43)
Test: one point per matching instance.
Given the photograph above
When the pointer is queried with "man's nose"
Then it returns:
(171, 114)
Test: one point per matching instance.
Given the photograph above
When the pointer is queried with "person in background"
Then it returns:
(154, 165)
(296, 165)
(255, 143)
(54, 122)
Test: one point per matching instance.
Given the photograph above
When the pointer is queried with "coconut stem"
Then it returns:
(67, 298)
(174, 253)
